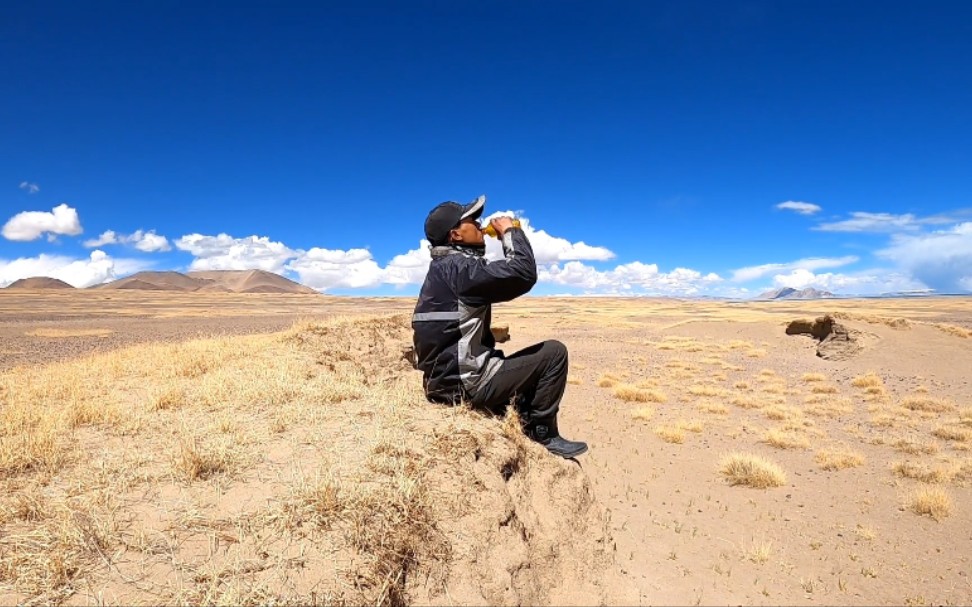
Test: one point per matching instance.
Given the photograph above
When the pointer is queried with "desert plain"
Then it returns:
(222, 448)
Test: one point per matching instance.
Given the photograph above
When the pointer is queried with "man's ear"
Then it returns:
(455, 235)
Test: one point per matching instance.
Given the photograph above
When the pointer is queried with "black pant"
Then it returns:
(533, 379)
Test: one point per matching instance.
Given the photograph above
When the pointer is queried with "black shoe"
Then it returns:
(559, 445)
(547, 435)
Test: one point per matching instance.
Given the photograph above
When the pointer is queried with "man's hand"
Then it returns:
(501, 225)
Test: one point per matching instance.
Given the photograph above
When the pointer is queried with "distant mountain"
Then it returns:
(791, 293)
(39, 282)
(214, 281)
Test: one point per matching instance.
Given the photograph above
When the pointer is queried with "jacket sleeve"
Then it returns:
(484, 283)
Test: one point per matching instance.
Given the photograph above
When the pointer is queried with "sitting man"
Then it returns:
(453, 342)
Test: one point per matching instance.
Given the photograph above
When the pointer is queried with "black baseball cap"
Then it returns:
(447, 217)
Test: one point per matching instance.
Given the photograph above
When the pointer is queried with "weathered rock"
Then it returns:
(501, 333)
(837, 342)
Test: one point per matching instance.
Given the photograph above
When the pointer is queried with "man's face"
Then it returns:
(468, 232)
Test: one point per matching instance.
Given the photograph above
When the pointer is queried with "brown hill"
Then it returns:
(226, 281)
(39, 282)
(251, 281)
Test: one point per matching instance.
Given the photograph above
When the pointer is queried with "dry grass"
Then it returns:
(931, 501)
(924, 403)
(634, 394)
(671, 434)
(751, 470)
(705, 390)
(63, 333)
(953, 329)
(826, 389)
(942, 473)
(953, 433)
(607, 380)
(786, 439)
(643, 413)
(928, 447)
(759, 552)
(713, 408)
(838, 459)
(813, 377)
(870, 380)
(745, 402)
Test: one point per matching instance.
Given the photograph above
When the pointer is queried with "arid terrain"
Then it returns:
(258, 448)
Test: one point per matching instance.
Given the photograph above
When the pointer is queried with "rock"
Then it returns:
(837, 342)
(501, 333)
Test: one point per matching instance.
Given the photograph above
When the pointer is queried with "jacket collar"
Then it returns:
(468, 251)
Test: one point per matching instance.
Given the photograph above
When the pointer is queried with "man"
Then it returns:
(453, 342)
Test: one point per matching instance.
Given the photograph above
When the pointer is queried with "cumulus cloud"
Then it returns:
(324, 269)
(628, 279)
(882, 222)
(30, 188)
(224, 252)
(149, 241)
(98, 268)
(30, 225)
(803, 208)
(811, 263)
(409, 268)
(941, 259)
(547, 248)
(871, 282)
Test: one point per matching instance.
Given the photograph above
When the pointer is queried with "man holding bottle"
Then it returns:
(453, 342)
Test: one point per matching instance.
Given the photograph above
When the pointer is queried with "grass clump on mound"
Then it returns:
(932, 501)
(751, 470)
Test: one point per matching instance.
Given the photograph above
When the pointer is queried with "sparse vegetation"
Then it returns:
(752, 471)
(932, 501)
(870, 380)
(838, 459)
(634, 394)
(924, 403)
(786, 439)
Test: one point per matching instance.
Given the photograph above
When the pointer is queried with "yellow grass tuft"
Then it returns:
(786, 439)
(924, 403)
(953, 433)
(813, 377)
(752, 471)
(870, 380)
(741, 385)
(60, 333)
(671, 434)
(700, 390)
(713, 408)
(838, 459)
(932, 501)
(916, 448)
(607, 380)
(745, 402)
(921, 472)
(643, 413)
(826, 389)
(634, 394)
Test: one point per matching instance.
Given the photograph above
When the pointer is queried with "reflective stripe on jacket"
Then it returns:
(451, 323)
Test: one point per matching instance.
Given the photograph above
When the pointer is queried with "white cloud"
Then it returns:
(98, 268)
(324, 269)
(942, 259)
(803, 208)
(149, 241)
(547, 248)
(30, 225)
(871, 282)
(628, 279)
(882, 222)
(31, 188)
(811, 263)
(224, 252)
(409, 268)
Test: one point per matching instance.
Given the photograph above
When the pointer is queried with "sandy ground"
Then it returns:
(718, 376)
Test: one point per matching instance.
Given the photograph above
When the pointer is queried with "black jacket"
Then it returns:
(451, 324)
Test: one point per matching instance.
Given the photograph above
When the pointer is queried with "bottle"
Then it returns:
(489, 231)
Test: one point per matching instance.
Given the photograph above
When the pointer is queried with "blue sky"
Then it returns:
(651, 146)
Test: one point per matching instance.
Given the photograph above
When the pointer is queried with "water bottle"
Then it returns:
(489, 231)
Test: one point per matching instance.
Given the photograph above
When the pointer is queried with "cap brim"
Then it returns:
(474, 209)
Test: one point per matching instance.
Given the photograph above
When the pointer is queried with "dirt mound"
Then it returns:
(837, 342)
(251, 281)
(39, 282)
(495, 519)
